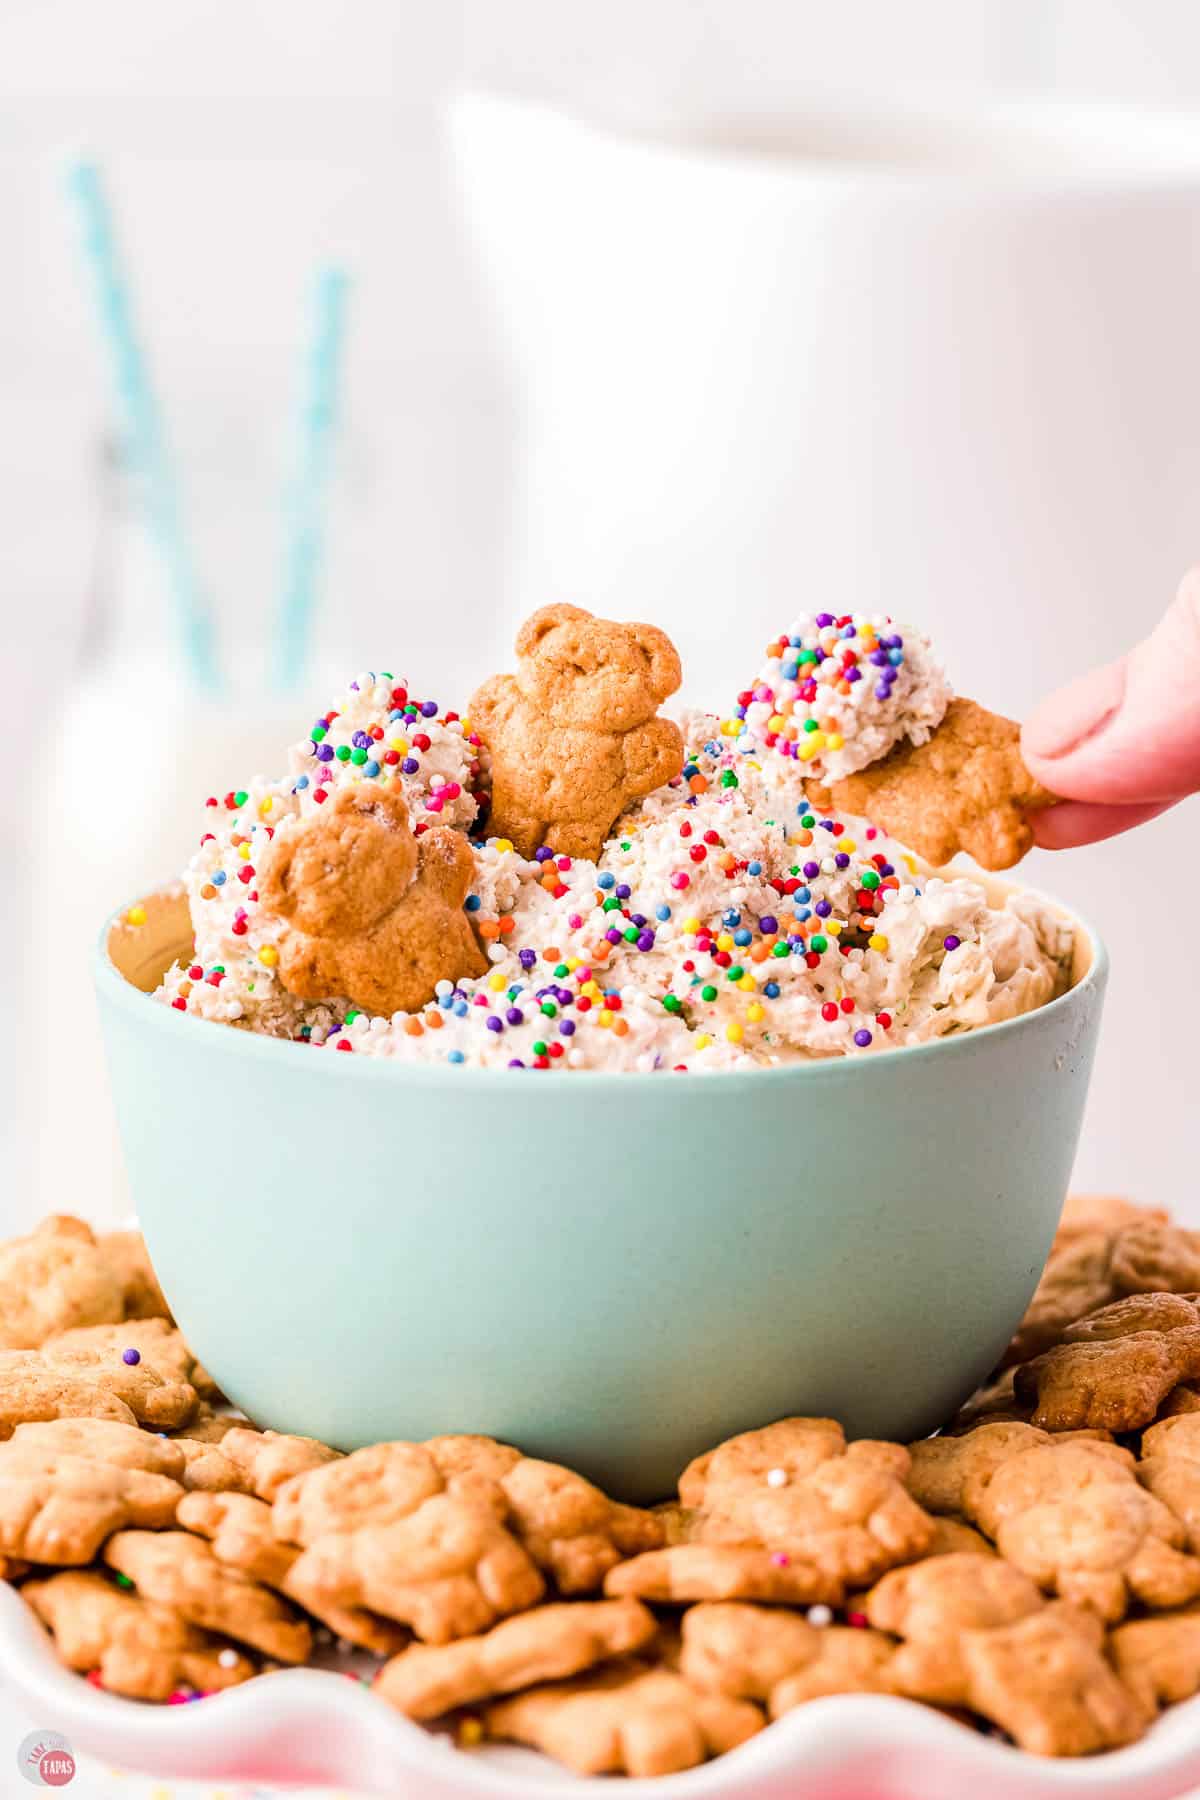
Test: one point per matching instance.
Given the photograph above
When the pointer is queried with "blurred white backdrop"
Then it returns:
(244, 143)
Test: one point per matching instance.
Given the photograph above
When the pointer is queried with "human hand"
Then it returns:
(1122, 743)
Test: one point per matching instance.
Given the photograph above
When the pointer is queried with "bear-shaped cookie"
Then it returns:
(370, 910)
(573, 735)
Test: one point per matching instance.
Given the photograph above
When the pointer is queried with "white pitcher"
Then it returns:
(939, 362)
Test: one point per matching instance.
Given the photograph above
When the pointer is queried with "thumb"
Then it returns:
(1128, 733)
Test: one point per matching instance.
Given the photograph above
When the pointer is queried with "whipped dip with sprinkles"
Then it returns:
(376, 732)
(726, 923)
(837, 692)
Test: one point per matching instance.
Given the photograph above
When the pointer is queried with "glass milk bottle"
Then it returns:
(136, 749)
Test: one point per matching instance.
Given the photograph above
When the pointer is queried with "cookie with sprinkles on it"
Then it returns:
(862, 713)
(837, 693)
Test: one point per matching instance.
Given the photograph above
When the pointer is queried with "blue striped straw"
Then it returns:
(308, 486)
(143, 424)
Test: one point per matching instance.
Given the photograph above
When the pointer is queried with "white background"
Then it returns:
(245, 140)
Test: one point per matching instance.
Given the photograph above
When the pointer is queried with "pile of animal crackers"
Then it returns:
(1033, 1570)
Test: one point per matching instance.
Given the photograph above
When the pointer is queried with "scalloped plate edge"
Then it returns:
(314, 1727)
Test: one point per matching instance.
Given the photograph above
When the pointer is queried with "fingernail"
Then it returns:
(1076, 713)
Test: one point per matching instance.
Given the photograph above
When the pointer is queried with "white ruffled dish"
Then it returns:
(316, 1728)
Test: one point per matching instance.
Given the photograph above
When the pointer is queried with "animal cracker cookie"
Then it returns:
(239, 1528)
(1135, 1313)
(626, 1720)
(680, 1524)
(126, 1255)
(143, 1651)
(466, 1456)
(1083, 1214)
(1077, 1280)
(547, 1644)
(951, 1534)
(159, 1348)
(686, 1572)
(177, 1570)
(848, 1517)
(1182, 1399)
(737, 1469)
(568, 1526)
(210, 1427)
(735, 1648)
(932, 1603)
(1159, 1658)
(206, 1466)
(951, 1537)
(1072, 1516)
(571, 1529)
(368, 909)
(207, 1470)
(761, 1653)
(153, 1399)
(31, 1390)
(842, 1507)
(449, 1570)
(1114, 1368)
(1045, 1681)
(57, 1507)
(1154, 1257)
(100, 1440)
(1084, 1271)
(574, 735)
(1174, 1437)
(942, 1465)
(375, 1486)
(966, 788)
(1170, 1470)
(266, 1459)
(993, 1404)
(849, 1660)
(55, 1278)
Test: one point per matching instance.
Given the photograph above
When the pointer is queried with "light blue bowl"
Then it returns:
(614, 1271)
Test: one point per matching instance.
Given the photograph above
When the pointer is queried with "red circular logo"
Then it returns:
(56, 1767)
(46, 1759)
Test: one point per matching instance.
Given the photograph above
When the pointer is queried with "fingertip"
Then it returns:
(1068, 719)
(1076, 823)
